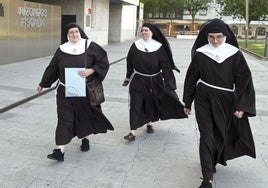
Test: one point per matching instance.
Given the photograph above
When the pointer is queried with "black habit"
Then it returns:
(75, 115)
(222, 135)
(152, 98)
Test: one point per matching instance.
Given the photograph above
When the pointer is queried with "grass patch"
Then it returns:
(255, 47)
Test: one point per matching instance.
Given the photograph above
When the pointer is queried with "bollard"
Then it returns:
(266, 46)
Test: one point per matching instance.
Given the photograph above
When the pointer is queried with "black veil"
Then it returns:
(213, 26)
(73, 25)
(158, 35)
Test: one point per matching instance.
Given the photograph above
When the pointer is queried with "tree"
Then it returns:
(167, 7)
(193, 6)
(258, 9)
(150, 7)
(170, 7)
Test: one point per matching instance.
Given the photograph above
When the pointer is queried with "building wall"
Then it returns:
(115, 22)
(132, 2)
(102, 20)
(98, 19)
(31, 34)
(122, 23)
(73, 8)
(107, 20)
(129, 22)
(98, 31)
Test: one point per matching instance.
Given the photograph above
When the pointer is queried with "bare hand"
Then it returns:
(187, 111)
(85, 73)
(39, 89)
(239, 114)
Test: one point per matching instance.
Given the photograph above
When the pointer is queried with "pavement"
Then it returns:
(166, 159)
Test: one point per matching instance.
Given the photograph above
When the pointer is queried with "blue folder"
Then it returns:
(75, 85)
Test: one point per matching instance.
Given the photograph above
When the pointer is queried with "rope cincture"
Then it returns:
(215, 87)
(142, 74)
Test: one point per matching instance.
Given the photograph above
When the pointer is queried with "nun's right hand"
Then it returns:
(125, 83)
(187, 111)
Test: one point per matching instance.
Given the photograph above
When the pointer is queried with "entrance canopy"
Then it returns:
(130, 2)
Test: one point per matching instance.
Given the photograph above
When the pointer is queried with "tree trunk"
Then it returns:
(193, 20)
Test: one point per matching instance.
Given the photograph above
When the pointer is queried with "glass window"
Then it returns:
(260, 31)
(249, 31)
(234, 29)
(202, 12)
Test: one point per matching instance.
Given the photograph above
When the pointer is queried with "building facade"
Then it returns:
(34, 28)
(181, 23)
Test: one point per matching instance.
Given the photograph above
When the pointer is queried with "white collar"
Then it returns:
(150, 45)
(220, 53)
(74, 48)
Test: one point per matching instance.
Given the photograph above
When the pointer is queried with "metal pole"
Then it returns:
(246, 28)
(266, 46)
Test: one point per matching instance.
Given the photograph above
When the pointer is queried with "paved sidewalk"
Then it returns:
(166, 159)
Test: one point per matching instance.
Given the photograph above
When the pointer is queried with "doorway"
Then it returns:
(65, 19)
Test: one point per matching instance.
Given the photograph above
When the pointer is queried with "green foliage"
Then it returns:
(150, 7)
(161, 6)
(255, 47)
(258, 9)
(193, 6)
(172, 6)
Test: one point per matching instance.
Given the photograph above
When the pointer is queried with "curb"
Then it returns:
(254, 54)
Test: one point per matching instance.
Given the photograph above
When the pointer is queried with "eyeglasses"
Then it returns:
(73, 32)
(215, 37)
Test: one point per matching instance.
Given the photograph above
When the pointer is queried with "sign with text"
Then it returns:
(32, 17)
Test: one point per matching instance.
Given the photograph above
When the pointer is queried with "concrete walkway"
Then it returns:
(166, 159)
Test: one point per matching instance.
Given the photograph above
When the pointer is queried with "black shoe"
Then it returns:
(56, 155)
(130, 137)
(150, 129)
(85, 145)
(206, 184)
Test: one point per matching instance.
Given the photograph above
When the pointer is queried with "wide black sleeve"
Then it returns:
(192, 76)
(101, 63)
(51, 73)
(130, 59)
(244, 89)
(240, 139)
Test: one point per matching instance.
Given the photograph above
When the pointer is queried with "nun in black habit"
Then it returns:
(152, 82)
(219, 82)
(75, 115)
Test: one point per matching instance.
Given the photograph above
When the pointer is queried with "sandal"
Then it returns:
(130, 137)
